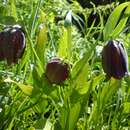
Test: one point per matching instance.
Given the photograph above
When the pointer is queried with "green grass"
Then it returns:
(86, 101)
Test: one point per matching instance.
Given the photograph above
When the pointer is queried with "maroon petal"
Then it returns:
(56, 71)
(115, 59)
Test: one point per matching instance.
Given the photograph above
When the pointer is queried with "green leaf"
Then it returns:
(48, 125)
(81, 63)
(41, 42)
(31, 47)
(26, 89)
(69, 42)
(63, 117)
(112, 21)
(62, 50)
(108, 90)
(3, 10)
(82, 77)
(13, 9)
(7, 20)
(126, 108)
(122, 23)
(65, 44)
(91, 83)
(73, 115)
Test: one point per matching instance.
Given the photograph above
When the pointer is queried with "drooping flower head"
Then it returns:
(115, 59)
(12, 44)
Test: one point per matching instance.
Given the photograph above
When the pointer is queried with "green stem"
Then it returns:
(69, 42)
(119, 96)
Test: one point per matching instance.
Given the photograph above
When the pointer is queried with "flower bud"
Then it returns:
(57, 71)
(115, 59)
(12, 42)
(68, 19)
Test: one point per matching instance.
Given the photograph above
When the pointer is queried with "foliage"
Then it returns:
(86, 101)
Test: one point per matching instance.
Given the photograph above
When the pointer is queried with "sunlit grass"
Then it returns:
(86, 100)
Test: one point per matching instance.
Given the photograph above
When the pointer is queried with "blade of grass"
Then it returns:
(35, 17)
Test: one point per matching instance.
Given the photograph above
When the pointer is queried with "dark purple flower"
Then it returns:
(57, 71)
(12, 42)
(115, 59)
